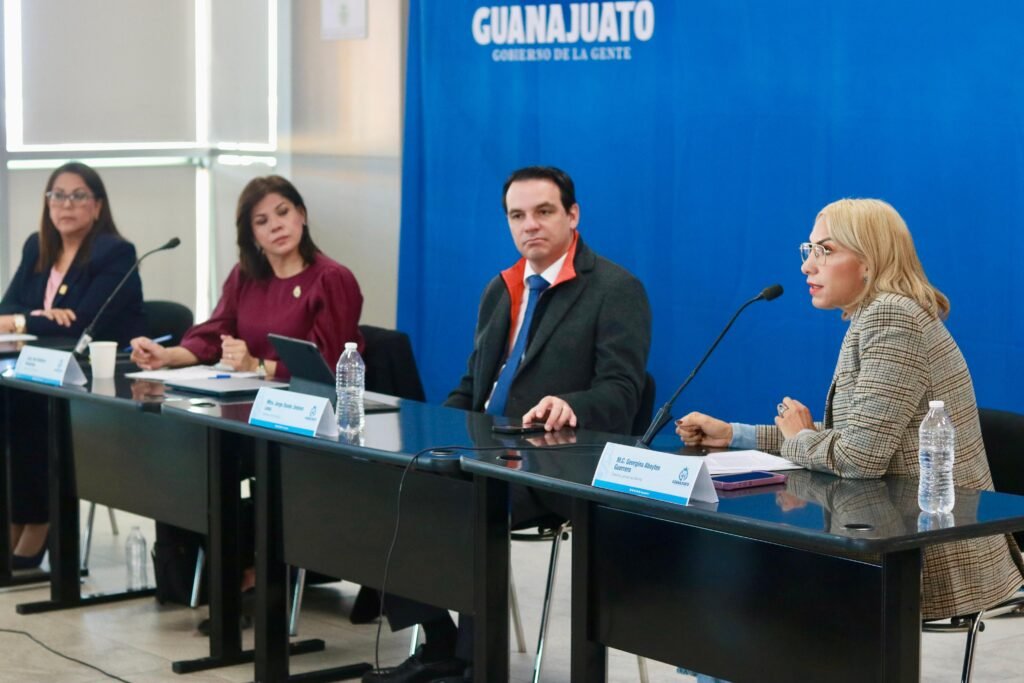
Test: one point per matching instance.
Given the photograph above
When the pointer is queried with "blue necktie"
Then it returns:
(499, 397)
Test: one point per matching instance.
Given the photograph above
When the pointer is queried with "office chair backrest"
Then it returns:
(1003, 434)
(646, 410)
(390, 364)
(167, 317)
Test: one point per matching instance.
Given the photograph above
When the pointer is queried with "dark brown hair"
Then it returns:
(50, 245)
(251, 259)
(566, 188)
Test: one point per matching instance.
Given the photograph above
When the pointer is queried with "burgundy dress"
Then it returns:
(321, 304)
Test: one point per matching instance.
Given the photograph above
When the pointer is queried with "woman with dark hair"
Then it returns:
(67, 270)
(282, 284)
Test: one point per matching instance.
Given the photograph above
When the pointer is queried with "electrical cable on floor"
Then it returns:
(398, 516)
(60, 654)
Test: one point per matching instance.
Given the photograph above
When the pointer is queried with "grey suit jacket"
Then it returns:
(588, 345)
(894, 359)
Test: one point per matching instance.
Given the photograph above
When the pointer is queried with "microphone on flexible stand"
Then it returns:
(86, 338)
(665, 412)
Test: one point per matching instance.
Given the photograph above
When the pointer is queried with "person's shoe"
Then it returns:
(20, 562)
(245, 621)
(416, 670)
(458, 678)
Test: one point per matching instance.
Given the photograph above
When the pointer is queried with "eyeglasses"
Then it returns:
(77, 198)
(820, 252)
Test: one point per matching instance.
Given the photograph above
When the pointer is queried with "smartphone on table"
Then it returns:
(503, 425)
(730, 482)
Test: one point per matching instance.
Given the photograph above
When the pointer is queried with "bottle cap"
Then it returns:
(351, 346)
(936, 404)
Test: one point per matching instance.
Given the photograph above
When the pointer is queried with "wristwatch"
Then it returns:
(19, 323)
(261, 370)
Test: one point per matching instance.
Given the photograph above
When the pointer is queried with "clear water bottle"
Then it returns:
(929, 521)
(136, 560)
(350, 382)
(935, 454)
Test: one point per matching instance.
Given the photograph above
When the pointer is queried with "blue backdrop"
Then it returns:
(704, 136)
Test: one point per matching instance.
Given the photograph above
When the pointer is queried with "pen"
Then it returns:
(158, 340)
(220, 377)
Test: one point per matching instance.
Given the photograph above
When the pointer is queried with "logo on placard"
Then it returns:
(312, 412)
(683, 477)
(556, 32)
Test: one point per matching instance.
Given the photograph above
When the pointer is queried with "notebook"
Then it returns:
(227, 386)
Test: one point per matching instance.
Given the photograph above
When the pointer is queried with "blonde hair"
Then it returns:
(874, 231)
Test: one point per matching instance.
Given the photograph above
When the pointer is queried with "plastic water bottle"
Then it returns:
(350, 382)
(136, 560)
(935, 454)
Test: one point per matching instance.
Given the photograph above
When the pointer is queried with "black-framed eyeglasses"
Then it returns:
(819, 251)
(78, 197)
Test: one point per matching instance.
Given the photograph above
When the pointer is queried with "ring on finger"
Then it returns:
(782, 408)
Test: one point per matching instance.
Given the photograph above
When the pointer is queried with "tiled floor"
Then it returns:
(137, 640)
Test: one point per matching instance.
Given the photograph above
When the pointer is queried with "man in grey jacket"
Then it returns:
(582, 362)
(562, 337)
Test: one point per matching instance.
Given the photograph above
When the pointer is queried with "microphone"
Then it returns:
(86, 338)
(664, 413)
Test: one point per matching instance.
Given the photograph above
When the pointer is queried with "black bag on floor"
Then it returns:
(174, 564)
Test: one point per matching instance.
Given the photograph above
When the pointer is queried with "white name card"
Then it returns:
(652, 474)
(48, 366)
(289, 411)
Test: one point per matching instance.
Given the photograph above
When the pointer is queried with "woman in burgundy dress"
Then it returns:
(282, 284)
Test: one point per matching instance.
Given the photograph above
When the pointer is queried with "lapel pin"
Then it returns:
(297, 292)
(63, 290)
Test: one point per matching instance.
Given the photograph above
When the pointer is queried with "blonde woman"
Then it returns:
(896, 356)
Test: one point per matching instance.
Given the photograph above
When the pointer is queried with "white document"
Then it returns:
(290, 411)
(191, 372)
(48, 366)
(16, 337)
(653, 474)
(738, 462)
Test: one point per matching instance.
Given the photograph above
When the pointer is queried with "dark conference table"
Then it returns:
(108, 443)
(8, 356)
(817, 579)
(331, 508)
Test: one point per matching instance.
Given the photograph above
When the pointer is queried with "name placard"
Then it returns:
(288, 411)
(48, 366)
(652, 474)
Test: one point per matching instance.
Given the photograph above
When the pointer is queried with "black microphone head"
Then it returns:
(772, 292)
(174, 241)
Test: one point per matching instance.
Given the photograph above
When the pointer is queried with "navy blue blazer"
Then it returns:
(84, 289)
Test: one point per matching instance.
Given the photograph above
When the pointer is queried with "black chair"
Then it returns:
(1003, 434)
(390, 364)
(167, 317)
(162, 318)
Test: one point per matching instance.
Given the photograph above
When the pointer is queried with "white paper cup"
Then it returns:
(102, 356)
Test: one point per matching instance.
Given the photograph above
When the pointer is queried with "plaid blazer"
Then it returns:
(894, 359)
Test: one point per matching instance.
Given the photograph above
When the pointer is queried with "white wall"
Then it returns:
(345, 145)
(108, 70)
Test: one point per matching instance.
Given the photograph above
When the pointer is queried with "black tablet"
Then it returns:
(311, 374)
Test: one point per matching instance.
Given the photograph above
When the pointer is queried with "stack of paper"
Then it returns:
(737, 462)
(192, 372)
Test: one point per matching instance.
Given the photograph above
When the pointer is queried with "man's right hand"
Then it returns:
(698, 429)
(554, 412)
